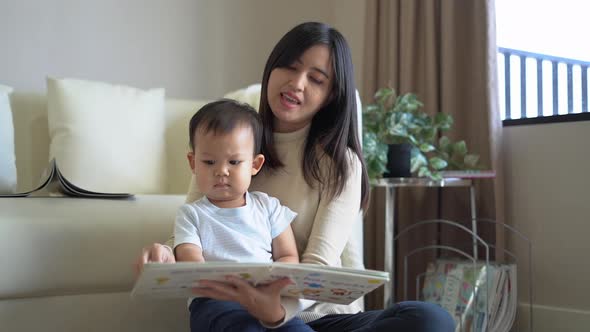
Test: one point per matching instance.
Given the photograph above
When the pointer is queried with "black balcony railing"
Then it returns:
(548, 85)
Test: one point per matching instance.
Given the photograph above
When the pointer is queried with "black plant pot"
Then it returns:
(398, 161)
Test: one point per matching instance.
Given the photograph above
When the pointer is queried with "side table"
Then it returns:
(389, 223)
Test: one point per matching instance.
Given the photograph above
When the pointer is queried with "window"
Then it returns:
(543, 60)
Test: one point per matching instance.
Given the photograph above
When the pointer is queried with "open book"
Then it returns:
(313, 282)
(53, 183)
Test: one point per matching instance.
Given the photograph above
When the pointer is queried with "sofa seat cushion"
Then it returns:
(66, 246)
(108, 312)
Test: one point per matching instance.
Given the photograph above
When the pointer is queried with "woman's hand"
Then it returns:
(156, 253)
(262, 302)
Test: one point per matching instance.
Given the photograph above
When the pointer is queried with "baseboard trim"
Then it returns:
(551, 319)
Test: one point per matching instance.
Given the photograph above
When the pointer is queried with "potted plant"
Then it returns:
(398, 119)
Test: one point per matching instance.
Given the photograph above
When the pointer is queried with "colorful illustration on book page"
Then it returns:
(342, 288)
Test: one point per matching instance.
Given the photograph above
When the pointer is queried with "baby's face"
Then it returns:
(224, 165)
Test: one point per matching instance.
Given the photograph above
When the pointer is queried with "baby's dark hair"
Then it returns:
(223, 116)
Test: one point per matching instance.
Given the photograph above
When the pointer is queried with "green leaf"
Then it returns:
(471, 160)
(429, 134)
(398, 130)
(369, 140)
(412, 102)
(443, 120)
(460, 148)
(375, 155)
(424, 171)
(438, 163)
(444, 144)
(426, 147)
(384, 94)
(372, 108)
(374, 170)
(418, 160)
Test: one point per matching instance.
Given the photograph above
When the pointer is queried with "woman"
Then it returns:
(315, 167)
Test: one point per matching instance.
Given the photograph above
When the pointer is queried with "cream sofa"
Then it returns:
(67, 263)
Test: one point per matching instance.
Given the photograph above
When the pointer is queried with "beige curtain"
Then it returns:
(445, 52)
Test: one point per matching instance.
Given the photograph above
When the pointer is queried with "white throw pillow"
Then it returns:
(107, 138)
(249, 95)
(7, 158)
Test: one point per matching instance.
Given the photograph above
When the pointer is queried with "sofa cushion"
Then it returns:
(70, 264)
(178, 115)
(107, 137)
(105, 312)
(7, 159)
(249, 95)
(78, 246)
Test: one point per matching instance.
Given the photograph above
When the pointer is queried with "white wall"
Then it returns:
(547, 195)
(117, 41)
(256, 26)
(195, 49)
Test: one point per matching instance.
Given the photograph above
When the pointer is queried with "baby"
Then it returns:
(229, 223)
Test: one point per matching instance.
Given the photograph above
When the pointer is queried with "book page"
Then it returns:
(176, 280)
(68, 188)
(54, 184)
(328, 284)
(313, 283)
(48, 185)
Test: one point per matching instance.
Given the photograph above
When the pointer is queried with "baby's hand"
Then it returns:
(156, 253)
(262, 302)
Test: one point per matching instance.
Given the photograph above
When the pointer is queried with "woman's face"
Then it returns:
(297, 92)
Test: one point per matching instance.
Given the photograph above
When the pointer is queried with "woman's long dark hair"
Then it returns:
(334, 127)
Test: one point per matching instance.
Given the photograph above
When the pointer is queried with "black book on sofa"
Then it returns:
(56, 185)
